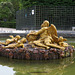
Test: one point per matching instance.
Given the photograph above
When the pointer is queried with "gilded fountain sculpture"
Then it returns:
(46, 39)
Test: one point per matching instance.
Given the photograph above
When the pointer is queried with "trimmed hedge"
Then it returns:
(8, 24)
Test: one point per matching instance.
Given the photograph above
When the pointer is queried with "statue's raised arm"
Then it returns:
(35, 35)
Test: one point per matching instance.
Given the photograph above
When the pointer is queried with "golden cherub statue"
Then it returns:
(20, 43)
(13, 39)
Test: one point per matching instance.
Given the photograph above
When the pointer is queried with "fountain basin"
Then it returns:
(29, 53)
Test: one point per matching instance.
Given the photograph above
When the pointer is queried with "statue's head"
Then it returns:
(10, 35)
(61, 39)
(45, 24)
(33, 31)
(18, 36)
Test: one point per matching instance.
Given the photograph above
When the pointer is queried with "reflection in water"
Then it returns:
(48, 67)
(4, 70)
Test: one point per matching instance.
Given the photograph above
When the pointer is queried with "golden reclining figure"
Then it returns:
(11, 40)
(20, 43)
(46, 37)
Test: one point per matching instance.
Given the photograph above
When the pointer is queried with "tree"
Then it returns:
(27, 3)
(17, 4)
(6, 10)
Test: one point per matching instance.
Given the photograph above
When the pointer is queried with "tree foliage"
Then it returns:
(27, 3)
(6, 10)
(16, 4)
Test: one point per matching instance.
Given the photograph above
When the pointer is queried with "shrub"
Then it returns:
(8, 24)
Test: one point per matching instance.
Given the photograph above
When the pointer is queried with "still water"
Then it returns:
(64, 66)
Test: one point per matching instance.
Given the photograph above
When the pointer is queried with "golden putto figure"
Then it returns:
(11, 40)
(19, 43)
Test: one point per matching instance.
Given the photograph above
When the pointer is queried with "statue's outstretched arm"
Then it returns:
(11, 36)
(40, 31)
(2, 43)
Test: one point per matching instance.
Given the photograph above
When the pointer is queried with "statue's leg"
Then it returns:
(31, 42)
(10, 46)
(56, 46)
(40, 44)
(50, 38)
(2, 43)
(37, 46)
(6, 46)
(21, 45)
(63, 44)
(33, 45)
(8, 41)
(48, 43)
